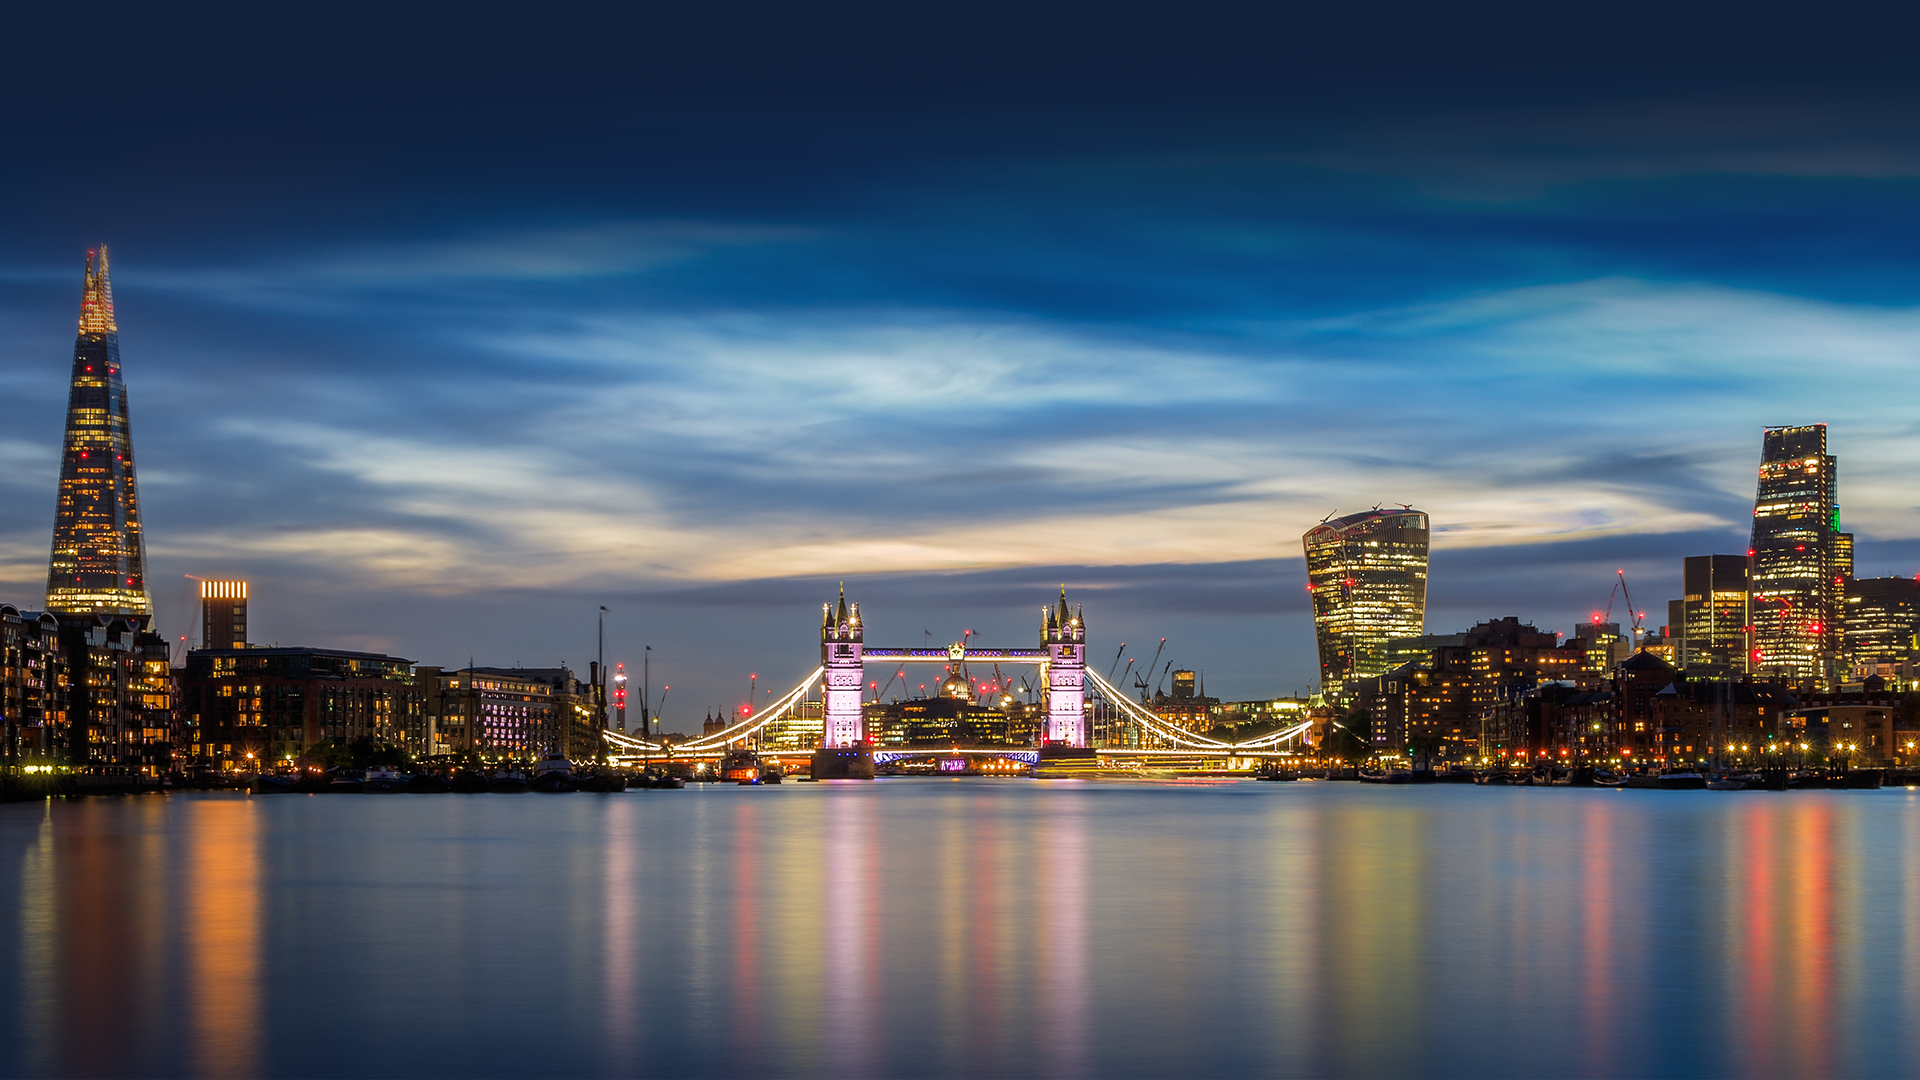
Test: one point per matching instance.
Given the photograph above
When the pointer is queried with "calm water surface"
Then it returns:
(966, 927)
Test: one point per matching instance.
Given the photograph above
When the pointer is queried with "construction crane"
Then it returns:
(1141, 683)
(883, 690)
(1620, 589)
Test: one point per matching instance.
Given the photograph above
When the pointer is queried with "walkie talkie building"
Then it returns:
(1367, 573)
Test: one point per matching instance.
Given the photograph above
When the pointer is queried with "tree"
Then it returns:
(330, 754)
(1343, 740)
(368, 754)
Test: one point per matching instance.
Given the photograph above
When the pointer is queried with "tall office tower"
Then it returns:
(1801, 559)
(1367, 574)
(1883, 615)
(1715, 615)
(223, 614)
(99, 562)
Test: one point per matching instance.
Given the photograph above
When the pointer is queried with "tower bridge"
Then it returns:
(846, 749)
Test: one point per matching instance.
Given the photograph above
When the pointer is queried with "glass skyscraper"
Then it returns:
(1883, 615)
(1367, 574)
(1715, 615)
(99, 562)
(1801, 559)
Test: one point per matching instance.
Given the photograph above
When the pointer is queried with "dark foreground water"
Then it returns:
(966, 928)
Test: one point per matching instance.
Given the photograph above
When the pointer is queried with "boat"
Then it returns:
(346, 780)
(1397, 776)
(1494, 778)
(603, 780)
(553, 775)
(1680, 781)
(508, 781)
(383, 779)
(740, 765)
(468, 782)
(665, 782)
(1607, 779)
(273, 784)
(772, 774)
(1726, 783)
(428, 783)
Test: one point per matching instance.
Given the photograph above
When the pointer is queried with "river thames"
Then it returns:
(966, 928)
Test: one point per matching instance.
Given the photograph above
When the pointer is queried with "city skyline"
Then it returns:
(1786, 453)
(424, 388)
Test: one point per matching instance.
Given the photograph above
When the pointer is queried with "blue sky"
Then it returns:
(446, 335)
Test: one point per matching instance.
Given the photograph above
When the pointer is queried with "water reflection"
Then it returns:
(39, 969)
(1061, 944)
(620, 1007)
(221, 874)
(848, 930)
(960, 928)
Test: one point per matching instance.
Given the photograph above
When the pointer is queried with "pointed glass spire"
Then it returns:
(99, 561)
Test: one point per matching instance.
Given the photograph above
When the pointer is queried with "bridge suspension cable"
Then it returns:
(1182, 737)
(741, 730)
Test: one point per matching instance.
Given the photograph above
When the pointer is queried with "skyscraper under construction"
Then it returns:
(99, 563)
(1801, 559)
(1367, 574)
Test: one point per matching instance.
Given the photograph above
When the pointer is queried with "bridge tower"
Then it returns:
(843, 752)
(1065, 636)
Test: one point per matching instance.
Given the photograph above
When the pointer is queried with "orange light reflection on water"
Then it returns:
(221, 871)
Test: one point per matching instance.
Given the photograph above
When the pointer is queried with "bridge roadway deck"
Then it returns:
(945, 655)
(897, 753)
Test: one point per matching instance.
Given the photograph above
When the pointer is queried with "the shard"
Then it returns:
(99, 562)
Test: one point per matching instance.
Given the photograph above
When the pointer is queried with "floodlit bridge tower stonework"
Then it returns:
(840, 646)
(1065, 636)
(843, 753)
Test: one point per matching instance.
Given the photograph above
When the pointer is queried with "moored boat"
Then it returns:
(274, 784)
(428, 783)
(554, 774)
(508, 781)
(351, 781)
(740, 766)
(468, 782)
(603, 780)
(1680, 781)
(384, 779)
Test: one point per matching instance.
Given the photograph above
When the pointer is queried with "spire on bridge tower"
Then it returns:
(840, 648)
(1065, 636)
